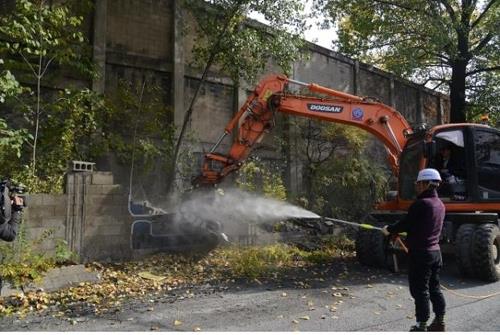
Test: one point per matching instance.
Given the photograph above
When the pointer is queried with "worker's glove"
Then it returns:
(385, 231)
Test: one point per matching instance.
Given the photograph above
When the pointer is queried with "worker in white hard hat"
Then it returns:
(423, 223)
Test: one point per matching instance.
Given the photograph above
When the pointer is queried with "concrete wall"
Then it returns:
(91, 216)
(135, 40)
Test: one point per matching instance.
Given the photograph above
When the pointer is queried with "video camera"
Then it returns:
(15, 190)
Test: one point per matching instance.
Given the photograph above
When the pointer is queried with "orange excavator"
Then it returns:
(467, 156)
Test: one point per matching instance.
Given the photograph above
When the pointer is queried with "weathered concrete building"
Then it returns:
(136, 39)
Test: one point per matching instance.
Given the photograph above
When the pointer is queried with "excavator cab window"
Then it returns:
(409, 167)
(450, 161)
(487, 152)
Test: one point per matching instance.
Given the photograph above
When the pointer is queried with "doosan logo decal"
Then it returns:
(325, 108)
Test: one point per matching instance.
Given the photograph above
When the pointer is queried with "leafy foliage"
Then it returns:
(444, 43)
(242, 48)
(261, 177)
(37, 37)
(341, 178)
(21, 261)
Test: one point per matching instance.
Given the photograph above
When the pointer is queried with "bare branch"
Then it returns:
(47, 66)
(29, 64)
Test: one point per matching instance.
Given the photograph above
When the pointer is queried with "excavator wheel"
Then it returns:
(486, 252)
(371, 248)
(463, 249)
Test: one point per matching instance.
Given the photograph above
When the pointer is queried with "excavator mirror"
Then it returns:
(429, 149)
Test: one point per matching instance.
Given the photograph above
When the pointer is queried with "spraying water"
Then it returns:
(235, 206)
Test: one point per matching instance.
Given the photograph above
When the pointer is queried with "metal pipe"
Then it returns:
(359, 225)
(391, 133)
(221, 138)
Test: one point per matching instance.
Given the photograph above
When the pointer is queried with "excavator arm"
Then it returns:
(256, 118)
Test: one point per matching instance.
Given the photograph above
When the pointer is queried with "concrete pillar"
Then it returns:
(355, 79)
(178, 71)
(76, 213)
(392, 95)
(440, 110)
(420, 108)
(99, 44)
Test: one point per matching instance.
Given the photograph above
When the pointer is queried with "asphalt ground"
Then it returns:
(342, 296)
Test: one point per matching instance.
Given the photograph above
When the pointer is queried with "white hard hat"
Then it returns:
(428, 175)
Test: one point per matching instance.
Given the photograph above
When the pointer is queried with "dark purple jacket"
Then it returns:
(423, 223)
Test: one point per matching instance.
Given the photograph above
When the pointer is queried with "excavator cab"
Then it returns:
(468, 159)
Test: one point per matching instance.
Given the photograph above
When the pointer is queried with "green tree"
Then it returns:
(240, 48)
(37, 36)
(11, 140)
(341, 176)
(449, 44)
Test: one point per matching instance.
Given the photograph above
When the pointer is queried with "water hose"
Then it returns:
(403, 246)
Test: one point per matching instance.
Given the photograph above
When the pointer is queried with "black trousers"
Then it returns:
(423, 276)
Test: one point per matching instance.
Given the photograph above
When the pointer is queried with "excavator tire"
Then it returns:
(486, 252)
(371, 248)
(463, 249)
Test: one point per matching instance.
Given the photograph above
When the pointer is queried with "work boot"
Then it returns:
(436, 326)
(418, 328)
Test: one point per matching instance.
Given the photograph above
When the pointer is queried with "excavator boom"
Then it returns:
(256, 118)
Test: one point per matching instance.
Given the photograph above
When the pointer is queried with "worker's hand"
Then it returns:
(385, 231)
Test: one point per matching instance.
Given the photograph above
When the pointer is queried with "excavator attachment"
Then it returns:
(256, 118)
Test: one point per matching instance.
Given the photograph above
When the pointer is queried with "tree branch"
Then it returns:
(47, 66)
(483, 14)
(486, 69)
(29, 64)
(483, 43)
(390, 3)
(450, 10)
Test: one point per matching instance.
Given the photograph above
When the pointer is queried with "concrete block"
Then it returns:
(54, 222)
(113, 189)
(102, 178)
(106, 230)
(114, 210)
(35, 212)
(51, 199)
(104, 220)
(100, 200)
(107, 248)
(34, 200)
(60, 209)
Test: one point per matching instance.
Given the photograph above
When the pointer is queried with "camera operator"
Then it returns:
(11, 206)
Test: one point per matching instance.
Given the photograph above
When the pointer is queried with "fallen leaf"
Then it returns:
(338, 295)
(196, 329)
(177, 323)
(369, 286)
(149, 276)
(155, 327)
(305, 317)
(295, 321)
